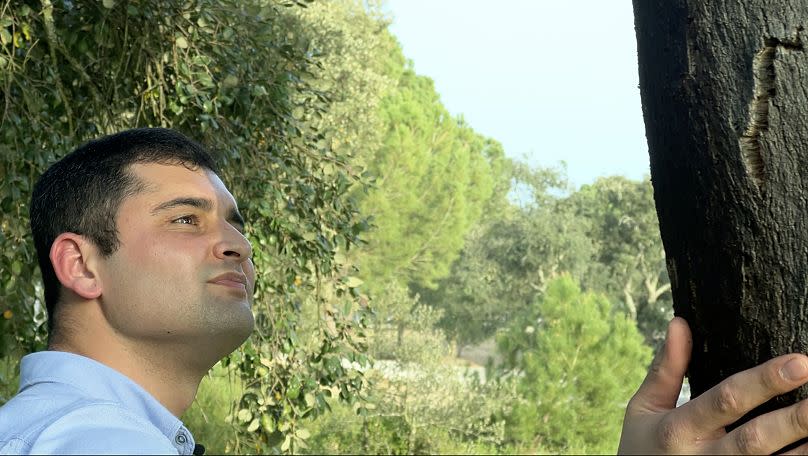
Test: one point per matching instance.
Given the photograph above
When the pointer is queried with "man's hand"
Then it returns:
(653, 424)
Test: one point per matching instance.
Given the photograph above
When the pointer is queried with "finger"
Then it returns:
(802, 449)
(660, 389)
(768, 433)
(731, 399)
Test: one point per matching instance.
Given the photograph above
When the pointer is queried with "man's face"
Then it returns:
(182, 273)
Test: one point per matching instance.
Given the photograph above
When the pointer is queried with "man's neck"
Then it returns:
(161, 370)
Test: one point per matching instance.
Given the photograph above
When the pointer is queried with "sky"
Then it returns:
(551, 80)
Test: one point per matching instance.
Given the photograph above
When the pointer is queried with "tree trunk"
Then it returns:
(724, 89)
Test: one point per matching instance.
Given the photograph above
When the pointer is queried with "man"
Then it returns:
(148, 281)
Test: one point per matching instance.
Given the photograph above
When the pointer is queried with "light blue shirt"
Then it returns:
(70, 404)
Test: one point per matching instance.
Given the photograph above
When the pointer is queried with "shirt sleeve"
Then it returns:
(101, 429)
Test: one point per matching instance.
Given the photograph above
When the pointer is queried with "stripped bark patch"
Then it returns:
(764, 91)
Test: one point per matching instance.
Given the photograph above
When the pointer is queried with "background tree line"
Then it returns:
(390, 237)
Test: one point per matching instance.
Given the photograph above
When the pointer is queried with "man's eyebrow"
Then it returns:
(203, 204)
(199, 203)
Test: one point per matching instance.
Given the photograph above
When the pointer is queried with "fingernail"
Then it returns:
(796, 369)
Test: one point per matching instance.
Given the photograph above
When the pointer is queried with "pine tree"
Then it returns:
(577, 363)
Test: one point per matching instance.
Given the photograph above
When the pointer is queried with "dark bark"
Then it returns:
(724, 89)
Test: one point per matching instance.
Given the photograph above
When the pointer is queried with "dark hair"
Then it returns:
(81, 193)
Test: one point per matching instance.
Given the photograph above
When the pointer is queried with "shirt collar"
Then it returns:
(100, 381)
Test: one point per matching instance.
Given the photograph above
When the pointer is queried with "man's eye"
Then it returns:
(187, 220)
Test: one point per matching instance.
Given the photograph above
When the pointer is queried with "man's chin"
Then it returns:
(222, 337)
(236, 332)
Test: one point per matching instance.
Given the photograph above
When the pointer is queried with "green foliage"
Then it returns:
(577, 363)
(508, 259)
(9, 378)
(404, 329)
(630, 260)
(210, 417)
(228, 74)
(434, 175)
(354, 50)
(413, 420)
(421, 400)
(605, 235)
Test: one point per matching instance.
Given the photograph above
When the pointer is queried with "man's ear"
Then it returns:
(72, 256)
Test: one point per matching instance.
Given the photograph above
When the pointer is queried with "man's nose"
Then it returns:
(233, 245)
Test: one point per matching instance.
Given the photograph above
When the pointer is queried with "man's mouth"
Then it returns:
(232, 280)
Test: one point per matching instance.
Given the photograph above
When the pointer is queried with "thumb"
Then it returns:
(660, 389)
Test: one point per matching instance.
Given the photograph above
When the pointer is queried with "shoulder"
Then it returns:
(101, 428)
